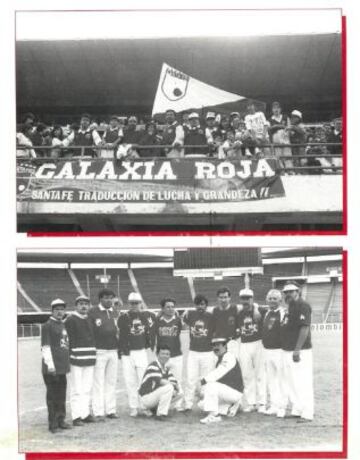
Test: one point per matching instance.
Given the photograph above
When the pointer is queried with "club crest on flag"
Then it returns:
(174, 84)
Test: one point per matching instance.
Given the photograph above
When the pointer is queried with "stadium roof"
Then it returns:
(65, 77)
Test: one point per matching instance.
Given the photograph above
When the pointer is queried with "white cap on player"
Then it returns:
(291, 287)
(134, 297)
(246, 293)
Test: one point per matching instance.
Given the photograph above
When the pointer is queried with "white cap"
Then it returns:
(57, 302)
(134, 297)
(290, 287)
(193, 115)
(246, 293)
(210, 115)
(297, 113)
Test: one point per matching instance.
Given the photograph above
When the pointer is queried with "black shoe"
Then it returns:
(99, 418)
(54, 429)
(78, 422)
(160, 418)
(112, 416)
(88, 419)
(64, 426)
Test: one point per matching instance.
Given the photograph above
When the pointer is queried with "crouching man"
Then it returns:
(159, 388)
(223, 387)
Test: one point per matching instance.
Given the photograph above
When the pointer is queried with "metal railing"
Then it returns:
(286, 162)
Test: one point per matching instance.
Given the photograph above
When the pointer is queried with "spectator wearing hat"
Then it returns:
(82, 344)
(112, 137)
(295, 333)
(150, 137)
(23, 134)
(55, 365)
(134, 339)
(251, 352)
(196, 136)
(277, 132)
(173, 135)
(104, 322)
(86, 135)
(257, 124)
(222, 387)
(297, 134)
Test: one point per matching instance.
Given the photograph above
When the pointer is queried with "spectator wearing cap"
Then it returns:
(82, 345)
(295, 333)
(134, 330)
(252, 352)
(273, 354)
(104, 322)
(112, 137)
(297, 134)
(23, 140)
(173, 135)
(55, 365)
(277, 132)
(196, 136)
(86, 135)
(222, 387)
(150, 137)
(257, 124)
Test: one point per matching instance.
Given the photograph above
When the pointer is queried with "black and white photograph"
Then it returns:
(199, 349)
(180, 121)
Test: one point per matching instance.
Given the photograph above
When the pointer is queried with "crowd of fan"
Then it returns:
(217, 135)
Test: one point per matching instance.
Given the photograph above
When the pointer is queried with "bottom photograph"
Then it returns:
(182, 350)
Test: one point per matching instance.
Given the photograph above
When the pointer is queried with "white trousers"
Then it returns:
(160, 398)
(81, 382)
(199, 364)
(134, 367)
(299, 381)
(104, 388)
(175, 365)
(253, 370)
(233, 346)
(219, 397)
(275, 378)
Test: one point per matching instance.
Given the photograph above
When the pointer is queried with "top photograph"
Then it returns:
(190, 121)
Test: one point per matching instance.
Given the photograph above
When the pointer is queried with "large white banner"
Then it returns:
(179, 92)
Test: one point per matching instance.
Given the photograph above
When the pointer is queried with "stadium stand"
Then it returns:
(320, 267)
(44, 285)
(335, 310)
(318, 296)
(283, 269)
(155, 286)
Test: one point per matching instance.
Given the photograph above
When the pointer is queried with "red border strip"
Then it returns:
(233, 455)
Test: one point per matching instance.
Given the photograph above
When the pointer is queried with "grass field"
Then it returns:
(246, 432)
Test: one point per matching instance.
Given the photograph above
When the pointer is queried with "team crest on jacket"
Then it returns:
(98, 322)
(174, 84)
(137, 327)
(199, 330)
(249, 327)
(64, 341)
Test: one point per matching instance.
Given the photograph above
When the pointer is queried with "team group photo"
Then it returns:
(150, 350)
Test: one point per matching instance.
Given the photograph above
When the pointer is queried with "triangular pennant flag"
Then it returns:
(178, 91)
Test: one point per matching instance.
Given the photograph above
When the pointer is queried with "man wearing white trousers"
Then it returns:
(159, 387)
(223, 387)
(251, 352)
(168, 329)
(271, 339)
(134, 330)
(104, 320)
(200, 359)
(298, 359)
(82, 361)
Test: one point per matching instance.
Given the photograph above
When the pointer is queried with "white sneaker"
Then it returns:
(133, 413)
(251, 408)
(233, 410)
(211, 419)
(261, 409)
(280, 413)
(270, 411)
